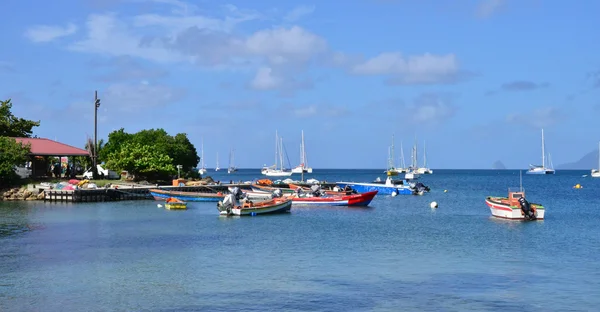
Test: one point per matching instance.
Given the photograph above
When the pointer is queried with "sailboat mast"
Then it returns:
(402, 155)
(543, 151)
(202, 154)
(302, 152)
(276, 148)
(424, 155)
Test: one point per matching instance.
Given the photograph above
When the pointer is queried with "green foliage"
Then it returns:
(178, 147)
(12, 126)
(12, 153)
(142, 161)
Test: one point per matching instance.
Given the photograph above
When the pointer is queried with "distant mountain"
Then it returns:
(587, 162)
(498, 165)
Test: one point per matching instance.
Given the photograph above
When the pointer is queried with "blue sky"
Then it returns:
(475, 80)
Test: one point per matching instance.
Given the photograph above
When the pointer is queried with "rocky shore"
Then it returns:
(20, 194)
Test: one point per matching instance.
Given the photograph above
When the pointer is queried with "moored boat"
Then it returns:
(515, 206)
(159, 194)
(174, 203)
(231, 205)
(318, 198)
(389, 187)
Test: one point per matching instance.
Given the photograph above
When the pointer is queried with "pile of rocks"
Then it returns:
(21, 194)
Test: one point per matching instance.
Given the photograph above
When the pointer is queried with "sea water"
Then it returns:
(396, 255)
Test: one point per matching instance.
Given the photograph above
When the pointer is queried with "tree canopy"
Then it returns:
(12, 126)
(12, 153)
(141, 161)
(157, 143)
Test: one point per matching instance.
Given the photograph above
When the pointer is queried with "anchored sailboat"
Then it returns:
(272, 171)
(424, 169)
(596, 172)
(232, 167)
(541, 169)
(202, 170)
(303, 167)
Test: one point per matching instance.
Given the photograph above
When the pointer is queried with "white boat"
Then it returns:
(412, 172)
(202, 170)
(303, 166)
(541, 169)
(424, 169)
(596, 172)
(217, 167)
(231, 167)
(515, 206)
(272, 171)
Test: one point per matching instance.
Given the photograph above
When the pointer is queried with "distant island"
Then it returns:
(587, 162)
(498, 165)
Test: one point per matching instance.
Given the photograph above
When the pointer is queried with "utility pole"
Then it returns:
(95, 156)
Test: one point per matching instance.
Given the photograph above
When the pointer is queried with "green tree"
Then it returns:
(178, 147)
(12, 126)
(115, 140)
(12, 153)
(142, 161)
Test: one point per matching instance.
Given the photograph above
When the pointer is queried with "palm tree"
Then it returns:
(89, 146)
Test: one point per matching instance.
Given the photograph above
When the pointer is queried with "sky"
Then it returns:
(473, 81)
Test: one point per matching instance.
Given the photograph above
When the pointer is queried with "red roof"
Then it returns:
(46, 147)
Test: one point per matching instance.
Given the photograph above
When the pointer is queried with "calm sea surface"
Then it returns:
(397, 255)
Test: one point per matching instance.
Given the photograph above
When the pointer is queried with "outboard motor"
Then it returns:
(228, 203)
(420, 187)
(315, 190)
(348, 190)
(526, 209)
(277, 193)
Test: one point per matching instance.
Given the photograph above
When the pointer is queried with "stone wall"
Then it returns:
(20, 194)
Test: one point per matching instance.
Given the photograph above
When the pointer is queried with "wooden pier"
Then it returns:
(126, 193)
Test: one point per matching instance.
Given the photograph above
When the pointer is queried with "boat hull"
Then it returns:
(363, 199)
(186, 196)
(505, 211)
(380, 188)
(278, 207)
(277, 173)
(546, 171)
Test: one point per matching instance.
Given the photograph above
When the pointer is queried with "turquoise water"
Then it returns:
(398, 255)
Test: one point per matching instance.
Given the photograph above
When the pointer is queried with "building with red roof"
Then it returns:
(42, 149)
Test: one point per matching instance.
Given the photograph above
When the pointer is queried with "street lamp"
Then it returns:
(95, 156)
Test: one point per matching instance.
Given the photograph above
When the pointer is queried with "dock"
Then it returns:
(124, 192)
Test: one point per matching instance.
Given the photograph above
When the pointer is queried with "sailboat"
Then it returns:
(303, 166)
(391, 171)
(217, 167)
(424, 169)
(412, 172)
(541, 169)
(596, 172)
(402, 168)
(272, 171)
(231, 167)
(202, 170)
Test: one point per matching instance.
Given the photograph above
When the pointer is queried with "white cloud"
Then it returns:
(265, 80)
(285, 45)
(487, 8)
(45, 33)
(417, 69)
(299, 12)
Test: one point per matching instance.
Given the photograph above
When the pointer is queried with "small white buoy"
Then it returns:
(445, 191)
(159, 206)
(394, 193)
(433, 205)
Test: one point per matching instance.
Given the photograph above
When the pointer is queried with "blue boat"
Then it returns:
(389, 187)
(187, 196)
